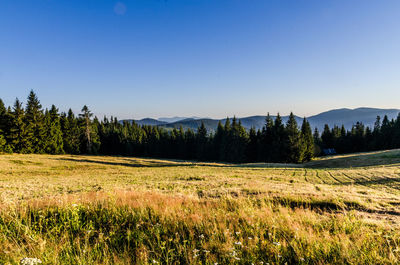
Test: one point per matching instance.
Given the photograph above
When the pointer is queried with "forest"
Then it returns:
(32, 129)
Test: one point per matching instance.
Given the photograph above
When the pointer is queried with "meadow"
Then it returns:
(65, 209)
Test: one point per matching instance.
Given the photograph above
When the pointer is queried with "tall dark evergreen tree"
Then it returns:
(54, 136)
(278, 146)
(307, 141)
(294, 144)
(3, 126)
(19, 137)
(201, 142)
(266, 141)
(87, 130)
(34, 121)
(71, 133)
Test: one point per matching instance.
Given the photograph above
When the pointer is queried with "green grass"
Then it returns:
(118, 210)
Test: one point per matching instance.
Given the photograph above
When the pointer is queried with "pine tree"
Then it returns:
(317, 142)
(307, 140)
(3, 126)
(327, 137)
(3, 117)
(265, 147)
(278, 146)
(54, 137)
(224, 152)
(218, 142)
(71, 133)
(18, 133)
(34, 121)
(252, 147)
(201, 142)
(87, 129)
(294, 146)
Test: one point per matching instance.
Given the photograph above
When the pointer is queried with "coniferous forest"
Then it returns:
(31, 129)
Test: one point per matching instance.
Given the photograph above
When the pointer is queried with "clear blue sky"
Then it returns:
(213, 58)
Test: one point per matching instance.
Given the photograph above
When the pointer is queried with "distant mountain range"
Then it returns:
(344, 116)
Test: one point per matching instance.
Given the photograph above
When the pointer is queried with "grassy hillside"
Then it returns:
(119, 210)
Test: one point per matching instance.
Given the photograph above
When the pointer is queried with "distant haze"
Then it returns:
(339, 117)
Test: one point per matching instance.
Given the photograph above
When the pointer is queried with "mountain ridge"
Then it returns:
(342, 116)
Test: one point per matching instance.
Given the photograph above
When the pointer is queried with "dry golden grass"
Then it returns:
(342, 209)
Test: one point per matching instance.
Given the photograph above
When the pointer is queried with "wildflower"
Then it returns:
(154, 261)
(276, 243)
(215, 263)
(74, 205)
(302, 259)
(237, 233)
(250, 238)
(206, 251)
(201, 236)
(238, 243)
(30, 261)
(236, 258)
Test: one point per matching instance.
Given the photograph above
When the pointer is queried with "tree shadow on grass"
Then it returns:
(380, 158)
(160, 162)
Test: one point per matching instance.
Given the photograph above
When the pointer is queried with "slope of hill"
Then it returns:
(348, 117)
(148, 121)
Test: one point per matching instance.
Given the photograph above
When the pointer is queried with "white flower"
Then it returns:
(237, 233)
(250, 238)
(276, 243)
(238, 243)
(201, 236)
(30, 261)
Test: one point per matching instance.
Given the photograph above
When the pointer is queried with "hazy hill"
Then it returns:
(348, 117)
(344, 116)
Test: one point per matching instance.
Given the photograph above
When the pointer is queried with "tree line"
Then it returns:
(32, 129)
(384, 135)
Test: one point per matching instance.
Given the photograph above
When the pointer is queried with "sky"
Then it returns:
(205, 58)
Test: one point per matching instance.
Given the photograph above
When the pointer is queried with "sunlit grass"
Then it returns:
(118, 210)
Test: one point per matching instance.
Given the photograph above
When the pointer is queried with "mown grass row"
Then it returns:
(151, 228)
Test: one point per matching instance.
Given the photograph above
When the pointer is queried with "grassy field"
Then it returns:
(118, 210)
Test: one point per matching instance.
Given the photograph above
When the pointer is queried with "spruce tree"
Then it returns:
(279, 136)
(252, 147)
(18, 133)
(307, 140)
(294, 145)
(265, 147)
(218, 142)
(71, 133)
(86, 125)
(201, 142)
(3, 127)
(34, 121)
(317, 142)
(54, 137)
